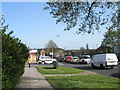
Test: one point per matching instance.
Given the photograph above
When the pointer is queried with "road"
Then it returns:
(106, 71)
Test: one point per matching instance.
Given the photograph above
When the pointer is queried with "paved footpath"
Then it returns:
(33, 79)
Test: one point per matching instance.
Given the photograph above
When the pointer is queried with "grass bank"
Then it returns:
(83, 81)
(60, 70)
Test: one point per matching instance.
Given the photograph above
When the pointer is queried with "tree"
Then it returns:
(87, 47)
(82, 51)
(111, 38)
(115, 27)
(51, 44)
(87, 16)
(51, 47)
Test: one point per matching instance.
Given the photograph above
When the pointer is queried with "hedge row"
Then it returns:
(14, 56)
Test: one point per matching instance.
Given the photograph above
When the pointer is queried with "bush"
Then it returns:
(14, 56)
(55, 64)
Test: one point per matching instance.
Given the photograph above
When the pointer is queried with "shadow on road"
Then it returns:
(95, 69)
(116, 75)
(91, 68)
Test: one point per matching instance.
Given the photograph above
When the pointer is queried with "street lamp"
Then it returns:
(52, 52)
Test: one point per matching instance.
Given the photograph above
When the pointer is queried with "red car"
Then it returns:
(58, 58)
(68, 58)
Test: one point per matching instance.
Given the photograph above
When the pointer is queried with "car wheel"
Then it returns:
(43, 62)
(92, 65)
(71, 62)
(88, 62)
(111, 67)
(101, 66)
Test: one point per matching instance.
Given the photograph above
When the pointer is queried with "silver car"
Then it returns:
(74, 60)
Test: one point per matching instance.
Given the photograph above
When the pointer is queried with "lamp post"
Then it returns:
(52, 52)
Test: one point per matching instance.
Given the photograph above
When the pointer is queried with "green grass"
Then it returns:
(60, 70)
(83, 81)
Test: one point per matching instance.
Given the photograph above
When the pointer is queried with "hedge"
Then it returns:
(14, 56)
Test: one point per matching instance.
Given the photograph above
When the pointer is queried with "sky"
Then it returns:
(35, 27)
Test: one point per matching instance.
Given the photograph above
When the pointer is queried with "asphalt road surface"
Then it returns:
(115, 72)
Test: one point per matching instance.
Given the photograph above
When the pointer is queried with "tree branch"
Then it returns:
(90, 8)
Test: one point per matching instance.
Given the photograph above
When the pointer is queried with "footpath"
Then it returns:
(33, 79)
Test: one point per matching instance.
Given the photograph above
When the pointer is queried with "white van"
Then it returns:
(104, 60)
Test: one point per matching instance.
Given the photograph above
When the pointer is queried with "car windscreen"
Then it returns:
(46, 57)
(86, 57)
(75, 58)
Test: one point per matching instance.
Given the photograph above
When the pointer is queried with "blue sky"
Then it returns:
(35, 27)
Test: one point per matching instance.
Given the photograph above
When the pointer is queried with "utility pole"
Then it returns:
(52, 52)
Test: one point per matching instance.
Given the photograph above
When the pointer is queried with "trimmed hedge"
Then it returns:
(14, 56)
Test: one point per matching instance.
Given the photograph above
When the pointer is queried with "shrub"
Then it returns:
(55, 64)
(14, 56)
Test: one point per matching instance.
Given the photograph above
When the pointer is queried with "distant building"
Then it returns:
(68, 53)
(100, 50)
(92, 52)
(104, 49)
(60, 53)
(117, 50)
(33, 56)
(42, 52)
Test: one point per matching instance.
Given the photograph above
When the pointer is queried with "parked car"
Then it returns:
(68, 58)
(46, 60)
(104, 60)
(85, 59)
(62, 58)
(58, 58)
(74, 60)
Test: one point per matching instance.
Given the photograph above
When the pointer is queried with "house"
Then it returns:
(104, 49)
(117, 50)
(32, 56)
(42, 52)
(68, 53)
(60, 53)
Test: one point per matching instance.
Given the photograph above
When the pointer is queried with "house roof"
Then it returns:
(101, 48)
(118, 44)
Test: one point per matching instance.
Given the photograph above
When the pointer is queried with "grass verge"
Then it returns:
(83, 81)
(60, 70)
